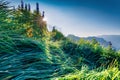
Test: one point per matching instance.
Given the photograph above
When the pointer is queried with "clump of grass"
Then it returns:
(106, 74)
(39, 50)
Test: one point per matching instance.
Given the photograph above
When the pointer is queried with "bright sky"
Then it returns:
(81, 17)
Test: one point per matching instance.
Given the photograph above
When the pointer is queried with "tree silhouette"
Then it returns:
(26, 7)
(22, 5)
(53, 30)
(43, 14)
(29, 7)
(37, 8)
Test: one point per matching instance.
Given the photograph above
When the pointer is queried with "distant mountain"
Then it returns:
(115, 39)
(102, 41)
(73, 37)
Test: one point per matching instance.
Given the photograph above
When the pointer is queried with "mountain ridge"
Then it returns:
(115, 39)
(102, 39)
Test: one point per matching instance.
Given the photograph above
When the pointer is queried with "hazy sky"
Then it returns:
(81, 17)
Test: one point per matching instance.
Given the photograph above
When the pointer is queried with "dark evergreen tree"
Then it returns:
(37, 8)
(29, 7)
(22, 5)
(43, 14)
(26, 7)
(53, 30)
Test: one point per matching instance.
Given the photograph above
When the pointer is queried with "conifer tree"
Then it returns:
(37, 8)
(53, 30)
(43, 14)
(29, 7)
(22, 5)
(26, 7)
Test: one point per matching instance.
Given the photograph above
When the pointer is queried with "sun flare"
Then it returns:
(45, 19)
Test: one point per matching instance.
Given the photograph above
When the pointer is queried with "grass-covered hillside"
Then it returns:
(28, 51)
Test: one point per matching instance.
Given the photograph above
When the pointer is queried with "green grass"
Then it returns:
(29, 52)
(105, 74)
(42, 58)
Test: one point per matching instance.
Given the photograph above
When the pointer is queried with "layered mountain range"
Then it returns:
(102, 39)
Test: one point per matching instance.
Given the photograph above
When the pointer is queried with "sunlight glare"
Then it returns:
(44, 19)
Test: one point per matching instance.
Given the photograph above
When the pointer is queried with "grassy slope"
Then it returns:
(29, 58)
(25, 55)
(107, 74)
(23, 58)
